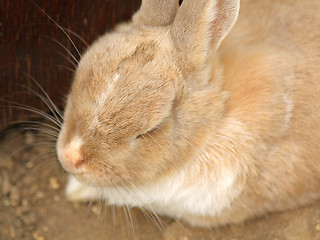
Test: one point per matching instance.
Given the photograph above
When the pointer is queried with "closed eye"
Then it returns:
(148, 132)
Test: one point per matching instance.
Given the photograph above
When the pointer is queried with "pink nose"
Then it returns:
(72, 160)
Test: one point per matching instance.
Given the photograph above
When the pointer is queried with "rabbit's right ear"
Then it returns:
(156, 12)
(199, 27)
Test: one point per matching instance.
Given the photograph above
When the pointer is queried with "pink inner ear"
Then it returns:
(216, 23)
(224, 19)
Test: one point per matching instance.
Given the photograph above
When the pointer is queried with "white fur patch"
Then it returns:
(75, 143)
(289, 107)
(103, 96)
(76, 191)
(170, 196)
(101, 99)
(179, 195)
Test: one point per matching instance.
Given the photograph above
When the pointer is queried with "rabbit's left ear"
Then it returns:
(156, 12)
(201, 25)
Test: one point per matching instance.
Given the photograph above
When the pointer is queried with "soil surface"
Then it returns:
(33, 206)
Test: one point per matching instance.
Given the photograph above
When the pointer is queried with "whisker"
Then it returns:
(158, 128)
(190, 144)
(50, 133)
(99, 209)
(125, 208)
(89, 208)
(104, 222)
(47, 97)
(12, 135)
(43, 99)
(42, 156)
(30, 109)
(68, 59)
(65, 67)
(131, 221)
(36, 123)
(38, 165)
(144, 138)
(127, 213)
(37, 144)
(77, 36)
(65, 48)
(155, 141)
(154, 217)
(61, 28)
(126, 217)
(53, 25)
(114, 218)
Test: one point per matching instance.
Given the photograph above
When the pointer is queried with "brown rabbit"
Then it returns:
(185, 113)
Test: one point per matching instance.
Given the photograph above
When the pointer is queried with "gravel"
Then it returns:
(33, 207)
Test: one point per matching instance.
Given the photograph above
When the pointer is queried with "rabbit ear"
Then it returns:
(201, 25)
(156, 12)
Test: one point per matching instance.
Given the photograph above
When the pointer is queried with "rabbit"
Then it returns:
(193, 112)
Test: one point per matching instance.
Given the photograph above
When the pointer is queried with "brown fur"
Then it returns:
(252, 101)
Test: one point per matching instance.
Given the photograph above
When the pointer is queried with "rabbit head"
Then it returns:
(145, 96)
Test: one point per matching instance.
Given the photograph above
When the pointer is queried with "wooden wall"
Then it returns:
(31, 47)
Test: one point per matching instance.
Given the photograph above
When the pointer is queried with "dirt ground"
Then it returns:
(33, 207)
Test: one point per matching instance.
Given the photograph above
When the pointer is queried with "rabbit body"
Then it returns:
(230, 132)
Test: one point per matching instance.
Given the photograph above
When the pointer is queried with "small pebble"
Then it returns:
(6, 161)
(29, 138)
(54, 184)
(14, 196)
(7, 203)
(37, 236)
(24, 208)
(13, 232)
(318, 227)
(29, 219)
(40, 194)
(19, 211)
(25, 203)
(45, 228)
(56, 198)
(96, 209)
(29, 164)
(5, 185)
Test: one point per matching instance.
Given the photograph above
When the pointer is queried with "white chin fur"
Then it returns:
(77, 191)
(175, 196)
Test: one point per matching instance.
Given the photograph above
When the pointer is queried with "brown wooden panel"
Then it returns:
(30, 45)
